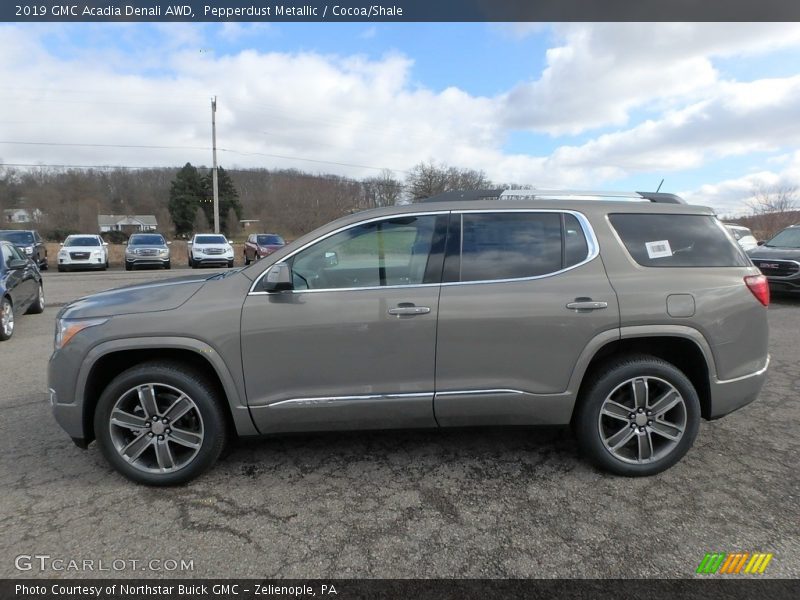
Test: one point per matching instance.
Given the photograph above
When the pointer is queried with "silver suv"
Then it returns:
(621, 317)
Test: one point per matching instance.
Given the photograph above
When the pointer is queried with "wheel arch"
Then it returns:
(108, 360)
(684, 347)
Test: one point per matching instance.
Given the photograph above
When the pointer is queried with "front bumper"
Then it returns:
(89, 263)
(732, 394)
(62, 371)
(220, 259)
(146, 260)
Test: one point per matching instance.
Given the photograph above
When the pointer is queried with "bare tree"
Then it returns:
(382, 190)
(428, 179)
(773, 208)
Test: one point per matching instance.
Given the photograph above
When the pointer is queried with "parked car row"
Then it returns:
(21, 288)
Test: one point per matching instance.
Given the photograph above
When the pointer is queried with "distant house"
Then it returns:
(126, 223)
(22, 215)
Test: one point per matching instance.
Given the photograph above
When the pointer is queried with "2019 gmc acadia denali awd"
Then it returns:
(619, 316)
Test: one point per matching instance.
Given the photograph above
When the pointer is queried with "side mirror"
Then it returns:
(61, 244)
(331, 259)
(104, 244)
(15, 264)
(278, 278)
(230, 242)
(761, 243)
(169, 243)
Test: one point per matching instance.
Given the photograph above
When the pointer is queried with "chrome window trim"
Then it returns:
(593, 250)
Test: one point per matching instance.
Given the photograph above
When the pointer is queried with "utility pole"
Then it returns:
(215, 183)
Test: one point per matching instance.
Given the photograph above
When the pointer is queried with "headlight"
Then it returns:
(97, 254)
(164, 252)
(28, 250)
(66, 329)
(62, 254)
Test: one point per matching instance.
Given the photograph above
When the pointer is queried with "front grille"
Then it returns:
(147, 252)
(214, 251)
(79, 255)
(777, 268)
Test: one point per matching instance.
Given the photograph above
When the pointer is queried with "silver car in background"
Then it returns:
(147, 249)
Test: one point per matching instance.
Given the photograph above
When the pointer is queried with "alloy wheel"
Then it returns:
(156, 428)
(642, 420)
(7, 318)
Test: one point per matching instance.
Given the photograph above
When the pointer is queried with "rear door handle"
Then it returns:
(586, 305)
(409, 310)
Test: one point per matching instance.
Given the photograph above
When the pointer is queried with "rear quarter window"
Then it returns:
(660, 240)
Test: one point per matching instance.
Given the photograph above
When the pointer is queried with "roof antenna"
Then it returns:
(659, 185)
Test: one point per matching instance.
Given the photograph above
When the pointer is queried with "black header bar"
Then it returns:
(398, 10)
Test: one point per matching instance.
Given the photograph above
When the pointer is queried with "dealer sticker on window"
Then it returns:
(658, 249)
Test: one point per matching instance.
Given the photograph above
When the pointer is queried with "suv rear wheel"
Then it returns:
(639, 418)
(160, 424)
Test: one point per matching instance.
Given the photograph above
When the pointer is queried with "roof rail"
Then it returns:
(537, 194)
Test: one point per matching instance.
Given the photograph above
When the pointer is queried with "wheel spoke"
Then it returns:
(667, 430)
(125, 419)
(616, 410)
(640, 392)
(620, 438)
(666, 402)
(135, 448)
(164, 455)
(147, 398)
(186, 438)
(180, 407)
(645, 446)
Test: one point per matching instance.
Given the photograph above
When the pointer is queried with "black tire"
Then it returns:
(5, 305)
(61, 269)
(185, 380)
(128, 266)
(246, 260)
(168, 265)
(612, 380)
(230, 264)
(37, 307)
(44, 266)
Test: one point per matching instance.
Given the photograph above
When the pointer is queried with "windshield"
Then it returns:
(20, 238)
(788, 238)
(270, 240)
(82, 241)
(210, 239)
(146, 240)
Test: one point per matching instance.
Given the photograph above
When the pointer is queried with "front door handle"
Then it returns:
(586, 305)
(409, 309)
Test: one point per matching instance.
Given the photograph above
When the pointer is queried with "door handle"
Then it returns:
(409, 310)
(586, 305)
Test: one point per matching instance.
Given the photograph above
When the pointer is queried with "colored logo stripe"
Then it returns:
(732, 564)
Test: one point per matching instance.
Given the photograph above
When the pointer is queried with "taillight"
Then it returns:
(759, 285)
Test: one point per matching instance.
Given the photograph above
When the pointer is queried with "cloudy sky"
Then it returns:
(714, 109)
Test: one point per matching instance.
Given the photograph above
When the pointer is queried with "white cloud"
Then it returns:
(603, 71)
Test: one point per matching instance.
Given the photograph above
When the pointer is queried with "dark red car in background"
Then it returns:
(259, 245)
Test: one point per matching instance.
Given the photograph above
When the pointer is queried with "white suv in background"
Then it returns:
(83, 252)
(744, 236)
(210, 249)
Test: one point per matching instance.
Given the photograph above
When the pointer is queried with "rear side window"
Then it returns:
(510, 245)
(677, 241)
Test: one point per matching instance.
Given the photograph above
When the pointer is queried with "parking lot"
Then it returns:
(466, 503)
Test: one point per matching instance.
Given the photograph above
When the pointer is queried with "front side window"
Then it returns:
(515, 245)
(391, 252)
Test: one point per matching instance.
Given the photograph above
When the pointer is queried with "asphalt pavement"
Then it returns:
(463, 503)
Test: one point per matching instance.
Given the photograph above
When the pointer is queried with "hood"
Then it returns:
(776, 253)
(143, 298)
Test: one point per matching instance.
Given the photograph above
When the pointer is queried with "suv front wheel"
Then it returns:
(160, 424)
(638, 418)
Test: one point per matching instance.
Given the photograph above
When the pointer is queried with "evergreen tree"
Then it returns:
(185, 195)
(228, 200)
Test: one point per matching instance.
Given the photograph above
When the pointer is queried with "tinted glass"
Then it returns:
(146, 240)
(5, 253)
(576, 249)
(381, 253)
(23, 238)
(677, 241)
(510, 245)
(270, 240)
(210, 239)
(82, 241)
(788, 238)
